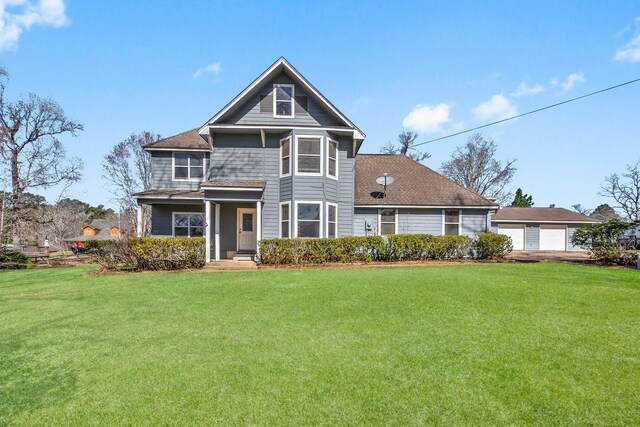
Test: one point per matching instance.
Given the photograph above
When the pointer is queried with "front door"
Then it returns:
(247, 229)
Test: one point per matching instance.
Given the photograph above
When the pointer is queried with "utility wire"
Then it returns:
(528, 112)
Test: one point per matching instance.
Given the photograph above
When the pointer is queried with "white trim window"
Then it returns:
(285, 220)
(451, 222)
(188, 167)
(308, 219)
(285, 156)
(188, 224)
(332, 158)
(332, 220)
(283, 100)
(308, 155)
(387, 221)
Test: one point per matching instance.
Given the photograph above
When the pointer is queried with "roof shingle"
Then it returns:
(540, 215)
(414, 184)
(189, 140)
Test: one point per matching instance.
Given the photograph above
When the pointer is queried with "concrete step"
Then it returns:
(230, 265)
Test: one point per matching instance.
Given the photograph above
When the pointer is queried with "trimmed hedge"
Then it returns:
(492, 246)
(397, 247)
(149, 253)
(14, 260)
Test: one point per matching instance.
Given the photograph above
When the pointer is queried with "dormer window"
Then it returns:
(283, 99)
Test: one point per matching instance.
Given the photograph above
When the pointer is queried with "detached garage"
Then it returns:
(539, 229)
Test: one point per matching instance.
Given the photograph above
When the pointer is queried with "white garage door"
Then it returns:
(553, 238)
(516, 232)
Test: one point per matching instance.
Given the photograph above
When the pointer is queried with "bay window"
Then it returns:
(332, 159)
(285, 157)
(308, 219)
(309, 155)
(332, 220)
(285, 219)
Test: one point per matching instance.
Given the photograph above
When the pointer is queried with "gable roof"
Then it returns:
(511, 214)
(414, 184)
(281, 65)
(102, 227)
(186, 140)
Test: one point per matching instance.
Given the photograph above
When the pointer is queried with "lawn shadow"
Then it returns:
(28, 381)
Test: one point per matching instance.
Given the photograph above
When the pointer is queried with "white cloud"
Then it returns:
(631, 51)
(214, 68)
(572, 80)
(358, 104)
(17, 16)
(525, 89)
(427, 119)
(497, 108)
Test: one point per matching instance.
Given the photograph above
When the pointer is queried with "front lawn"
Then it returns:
(464, 344)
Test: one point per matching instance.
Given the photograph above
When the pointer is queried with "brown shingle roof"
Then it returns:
(169, 194)
(234, 184)
(414, 184)
(188, 139)
(540, 215)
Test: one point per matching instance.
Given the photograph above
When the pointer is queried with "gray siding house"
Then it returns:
(281, 161)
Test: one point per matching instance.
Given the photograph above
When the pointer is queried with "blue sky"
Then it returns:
(434, 67)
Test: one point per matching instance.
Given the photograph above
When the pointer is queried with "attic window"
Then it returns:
(283, 100)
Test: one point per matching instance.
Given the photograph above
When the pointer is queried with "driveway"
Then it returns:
(537, 256)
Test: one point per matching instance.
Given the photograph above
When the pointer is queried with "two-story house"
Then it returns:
(280, 160)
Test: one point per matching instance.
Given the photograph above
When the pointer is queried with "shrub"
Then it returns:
(405, 247)
(149, 253)
(492, 246)
(14, 260)
(603, 241)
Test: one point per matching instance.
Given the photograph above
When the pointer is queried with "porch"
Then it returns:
(227, 214)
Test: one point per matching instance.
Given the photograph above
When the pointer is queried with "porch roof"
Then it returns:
(169, 194)
(256, 185)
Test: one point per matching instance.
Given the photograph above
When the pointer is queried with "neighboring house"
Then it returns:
(99, 229)
(281, 161)
(539, 229)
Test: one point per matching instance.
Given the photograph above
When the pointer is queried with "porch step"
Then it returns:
(244, 257)
(230, 265)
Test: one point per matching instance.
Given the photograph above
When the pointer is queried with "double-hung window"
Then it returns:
(388, 221)
(285, 219)
(451, 222)
(332, 159)
(285, 156)
(283, 99)
(332, 220)
(308, 219)
(188, 167)
(188, 224)
(309, 155)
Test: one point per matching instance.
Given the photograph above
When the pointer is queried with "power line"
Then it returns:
(529, 112)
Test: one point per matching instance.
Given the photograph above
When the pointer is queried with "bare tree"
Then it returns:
(406, 147)
(474, 167)
(127, 167)
(29, 144)
(581, 209)
(624, 189)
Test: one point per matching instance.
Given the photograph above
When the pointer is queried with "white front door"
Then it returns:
(247, 229)
(553, 238)
(516, 232)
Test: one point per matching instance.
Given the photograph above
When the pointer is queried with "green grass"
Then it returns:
(465, 344)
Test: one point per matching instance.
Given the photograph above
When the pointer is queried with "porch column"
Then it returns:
(258, 225)
(139, 220)
(217, 232)
(207, 231)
